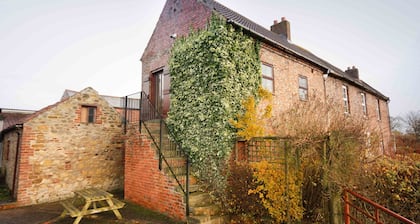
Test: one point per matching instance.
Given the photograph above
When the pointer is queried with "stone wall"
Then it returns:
(144, 183)
(61, 154)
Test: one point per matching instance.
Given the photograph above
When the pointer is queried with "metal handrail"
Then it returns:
(147, 113)
(348, 217)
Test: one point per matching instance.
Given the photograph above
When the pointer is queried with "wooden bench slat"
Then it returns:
(117, 203)
(70, 208)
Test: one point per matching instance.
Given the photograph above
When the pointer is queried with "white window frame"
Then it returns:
(345, 93)
(364, 104)
(303, 89)
(267, 77)
(378, 109)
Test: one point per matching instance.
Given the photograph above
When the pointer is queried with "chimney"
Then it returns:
(353, 72)
(282, 28)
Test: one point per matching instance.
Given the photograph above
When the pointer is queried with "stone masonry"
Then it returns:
(60, 154)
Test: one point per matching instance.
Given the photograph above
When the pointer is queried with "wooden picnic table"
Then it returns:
(95, 201)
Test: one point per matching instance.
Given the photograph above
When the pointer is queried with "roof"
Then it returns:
(11, 117)
(282, 42)
(112, 100)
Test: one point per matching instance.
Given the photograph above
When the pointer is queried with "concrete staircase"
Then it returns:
(202, 208)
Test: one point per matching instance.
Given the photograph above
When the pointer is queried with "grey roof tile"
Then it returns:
(281, 42)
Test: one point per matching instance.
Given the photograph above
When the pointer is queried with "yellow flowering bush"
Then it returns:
(279, 192)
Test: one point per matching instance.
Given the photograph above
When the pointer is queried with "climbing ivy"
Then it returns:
(212, 71)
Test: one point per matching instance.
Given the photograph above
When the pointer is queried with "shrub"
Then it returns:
(395, 184)
(280, 192)
(241, 206)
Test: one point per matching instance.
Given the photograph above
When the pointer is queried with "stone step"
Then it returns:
(207, 220)
(177, 171)
(200, 199)
(192, 187)
(173, 154)
(208, 210)
(175, 161)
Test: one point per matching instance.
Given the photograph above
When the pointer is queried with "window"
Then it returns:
(364, 107)
(378, 109)
(346, 99)
(303, 87)
(267, 77)
(88, 114)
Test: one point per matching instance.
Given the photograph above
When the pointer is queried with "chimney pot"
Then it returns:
(353, 72)
(282, 28)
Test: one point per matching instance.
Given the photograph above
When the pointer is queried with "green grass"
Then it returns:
(4, 194)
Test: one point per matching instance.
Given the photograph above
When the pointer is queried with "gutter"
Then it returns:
(18, 127)
(332, 72)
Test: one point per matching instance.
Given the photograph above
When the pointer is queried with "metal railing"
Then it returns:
(130, 113)
(359, 209)
(168, 149)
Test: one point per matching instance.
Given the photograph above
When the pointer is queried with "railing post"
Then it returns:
(160, 144)
(377, 216)
(125, 113)
(140, 110)
(346, 208)
(187, 188)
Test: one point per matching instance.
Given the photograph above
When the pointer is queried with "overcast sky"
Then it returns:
(47, 46)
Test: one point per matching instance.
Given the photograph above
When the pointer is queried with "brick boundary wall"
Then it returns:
(145, 184)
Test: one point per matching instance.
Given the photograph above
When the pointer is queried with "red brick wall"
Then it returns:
(144, 183)
(178, 16)
(25, 168)
(287, 69)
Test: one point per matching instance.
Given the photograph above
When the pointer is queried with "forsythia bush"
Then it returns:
(253, 122)
(278, 193)
(395, 184)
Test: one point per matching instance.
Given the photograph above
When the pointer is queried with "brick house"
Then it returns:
(73, 144)
(289, 71)
(284, 64)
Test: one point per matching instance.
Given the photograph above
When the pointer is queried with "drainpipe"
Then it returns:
(15, 171)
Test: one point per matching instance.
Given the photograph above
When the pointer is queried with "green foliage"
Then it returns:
(212, 72)
(395, 184)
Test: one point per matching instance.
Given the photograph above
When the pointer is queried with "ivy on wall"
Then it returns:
(212, 71)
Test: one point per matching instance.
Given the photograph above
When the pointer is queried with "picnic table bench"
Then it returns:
(95, 201)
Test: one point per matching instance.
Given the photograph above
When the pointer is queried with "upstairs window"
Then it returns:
(364, 106)
(267, 77)
(378, 109)
(303, 87)
(88, 114)
(346, 99)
